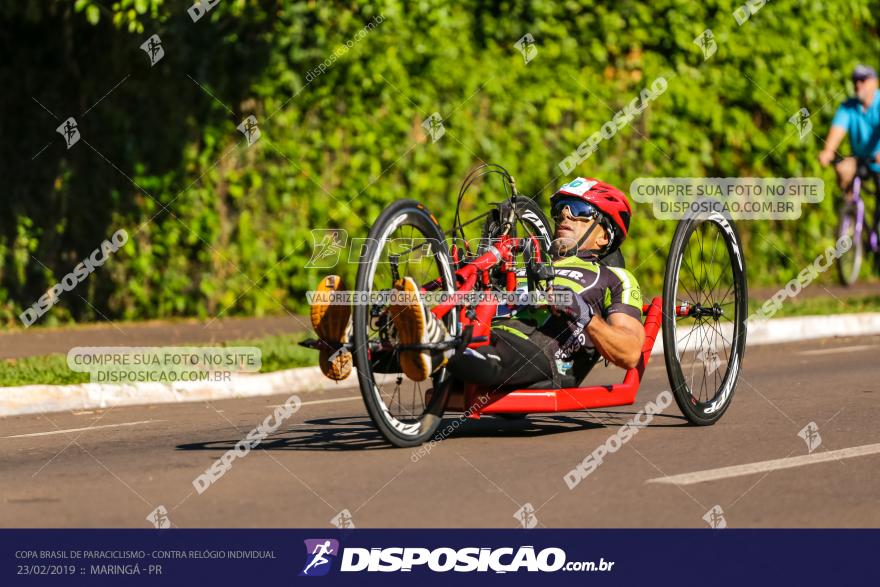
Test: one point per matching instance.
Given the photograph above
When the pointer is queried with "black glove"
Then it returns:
(576, 309)
(537, 271)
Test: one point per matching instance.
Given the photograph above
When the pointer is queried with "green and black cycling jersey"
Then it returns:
(563, 338)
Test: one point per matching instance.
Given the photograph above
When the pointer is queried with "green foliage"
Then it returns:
(42, 370)
(219, 228)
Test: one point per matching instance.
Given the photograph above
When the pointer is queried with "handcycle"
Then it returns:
(852, 223)
(704, 304)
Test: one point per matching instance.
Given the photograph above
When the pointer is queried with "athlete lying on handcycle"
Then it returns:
(559, 343)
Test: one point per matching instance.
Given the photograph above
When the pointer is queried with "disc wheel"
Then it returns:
(704, 343)
(404, 241)
(850, 262)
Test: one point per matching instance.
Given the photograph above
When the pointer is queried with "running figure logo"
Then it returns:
(327, 246)
(526, 516)
(801, 121)
(343, 519)
(250, 129)
(320, 553)
(708, 355)
(810, 435)
(154, 50)
(715, 518)
(706, 42)
(434, 125)
(159, 518)
(526, 46)
(70, 131)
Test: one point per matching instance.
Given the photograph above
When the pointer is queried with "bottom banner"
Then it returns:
(391, 557)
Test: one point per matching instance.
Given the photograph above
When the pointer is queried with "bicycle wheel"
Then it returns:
(704, 347)
(404, 241)
(849, 224)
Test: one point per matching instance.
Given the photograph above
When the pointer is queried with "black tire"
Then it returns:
(533, 219)
(415, 428)
(528, 213)
(849, 263)
(704, 404)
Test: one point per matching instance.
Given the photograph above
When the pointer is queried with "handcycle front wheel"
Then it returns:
(705, 310)
(404, 241)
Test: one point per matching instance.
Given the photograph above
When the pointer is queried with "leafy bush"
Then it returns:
(219, 228)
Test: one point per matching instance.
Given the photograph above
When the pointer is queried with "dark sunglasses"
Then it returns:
(577, 208)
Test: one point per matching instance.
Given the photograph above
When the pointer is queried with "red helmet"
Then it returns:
(609, 200)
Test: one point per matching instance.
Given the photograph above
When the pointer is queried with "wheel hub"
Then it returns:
(715, 311)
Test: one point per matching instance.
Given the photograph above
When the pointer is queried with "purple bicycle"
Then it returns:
(852, 223)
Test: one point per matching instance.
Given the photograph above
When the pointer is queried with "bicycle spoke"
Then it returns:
(681, 278)
(719, 333)
(714, 244)
(687, 337)
(696, 354)
(700, 255)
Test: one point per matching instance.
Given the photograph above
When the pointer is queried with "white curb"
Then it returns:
(33, 399)
(796, 328)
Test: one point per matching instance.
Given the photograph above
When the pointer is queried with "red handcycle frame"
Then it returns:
(476, 400)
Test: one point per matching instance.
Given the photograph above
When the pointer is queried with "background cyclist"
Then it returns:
(858, 117)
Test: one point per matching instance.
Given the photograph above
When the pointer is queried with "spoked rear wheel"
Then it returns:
(705, 308)
(404, 241)
(850, 262)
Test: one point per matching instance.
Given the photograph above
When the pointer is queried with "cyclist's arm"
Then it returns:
(832, 142)
(619, 335)
(619, 338)
(839, 125)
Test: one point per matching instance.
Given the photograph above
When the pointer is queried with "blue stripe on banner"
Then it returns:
(438, 557)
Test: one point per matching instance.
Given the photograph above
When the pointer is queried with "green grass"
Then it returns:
(281, 351)
(50, 369)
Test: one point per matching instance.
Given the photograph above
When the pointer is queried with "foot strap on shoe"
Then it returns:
(324, 345)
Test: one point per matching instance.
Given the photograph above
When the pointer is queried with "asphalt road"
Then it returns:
(112, 468)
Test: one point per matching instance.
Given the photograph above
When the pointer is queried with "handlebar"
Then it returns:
(863, 166)
(859, 160)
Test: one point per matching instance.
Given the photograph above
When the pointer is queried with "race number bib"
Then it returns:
(578, 187)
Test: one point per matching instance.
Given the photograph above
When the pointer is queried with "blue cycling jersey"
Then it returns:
(863, 127)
